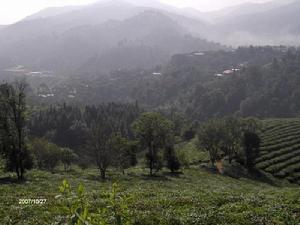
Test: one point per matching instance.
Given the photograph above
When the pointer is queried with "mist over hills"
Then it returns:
(129, 34)
(272, 23)
(66, 39)
(246, 8)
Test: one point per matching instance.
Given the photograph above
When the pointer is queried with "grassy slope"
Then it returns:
(195, 197)
(280, 150)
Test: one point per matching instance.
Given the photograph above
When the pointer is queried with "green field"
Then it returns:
(280, 149)
(194, 197)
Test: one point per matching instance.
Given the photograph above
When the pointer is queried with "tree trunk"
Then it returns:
(22, 170)
(21, 175)
(151, 161)
(103, 174)
(151, 168)
(18, 173)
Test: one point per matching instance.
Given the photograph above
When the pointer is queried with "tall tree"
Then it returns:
(100, 143)
(251, 142)
(154, 133)
(232, 137)
(211, 137)
(124, 152)
(13, 130)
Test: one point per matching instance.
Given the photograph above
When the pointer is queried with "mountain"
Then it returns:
(127, 34)
(248, 8)
(105, 36)
(52, 12)
(272, 23)
(144, 41)
(62, 19)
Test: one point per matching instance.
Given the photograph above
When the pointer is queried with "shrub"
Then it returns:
(47, 155)
(68, 157)
(114, 210)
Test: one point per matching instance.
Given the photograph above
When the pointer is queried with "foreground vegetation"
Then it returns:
(193, 197)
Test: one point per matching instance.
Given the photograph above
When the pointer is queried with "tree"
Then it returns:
(172, 161)
(124, 152)
(47, 155)
(251, 142)
(103, 123)
(13, 128)
(211, 137)
(52, 157)
(39, 148)
(251, 124)
(100, 142)
(154, 133)
(232, 137)
(67, 157)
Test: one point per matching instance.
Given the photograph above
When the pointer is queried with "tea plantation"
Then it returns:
(280, 149)
(193, 197)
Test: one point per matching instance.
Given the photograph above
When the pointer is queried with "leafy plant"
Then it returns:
(114, 210)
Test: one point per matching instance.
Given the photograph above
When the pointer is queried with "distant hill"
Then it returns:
(144, 41)
(52, 12)
(107, 35)
(128, 34)
(272, 23)
(248, 8)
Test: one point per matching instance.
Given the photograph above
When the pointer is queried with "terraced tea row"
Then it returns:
(282, 134)
(280, 149)
(278, 156)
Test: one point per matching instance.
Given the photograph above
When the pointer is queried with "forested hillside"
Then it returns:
(254, 81)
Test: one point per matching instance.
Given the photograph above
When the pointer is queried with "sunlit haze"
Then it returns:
(13, 10)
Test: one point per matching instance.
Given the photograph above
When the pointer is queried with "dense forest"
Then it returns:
(252, 81)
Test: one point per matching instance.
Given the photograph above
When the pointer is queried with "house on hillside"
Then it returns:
(228, 72)
(219, 75)
(231, 71)
(17, 70)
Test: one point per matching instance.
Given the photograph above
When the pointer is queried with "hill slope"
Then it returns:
(280, 149)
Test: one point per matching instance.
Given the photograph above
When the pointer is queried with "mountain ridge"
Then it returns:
(150, 36)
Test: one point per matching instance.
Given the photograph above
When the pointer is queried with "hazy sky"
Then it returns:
(14, 10)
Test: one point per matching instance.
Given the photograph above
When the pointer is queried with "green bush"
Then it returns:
(47, 155)
(114, 210)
